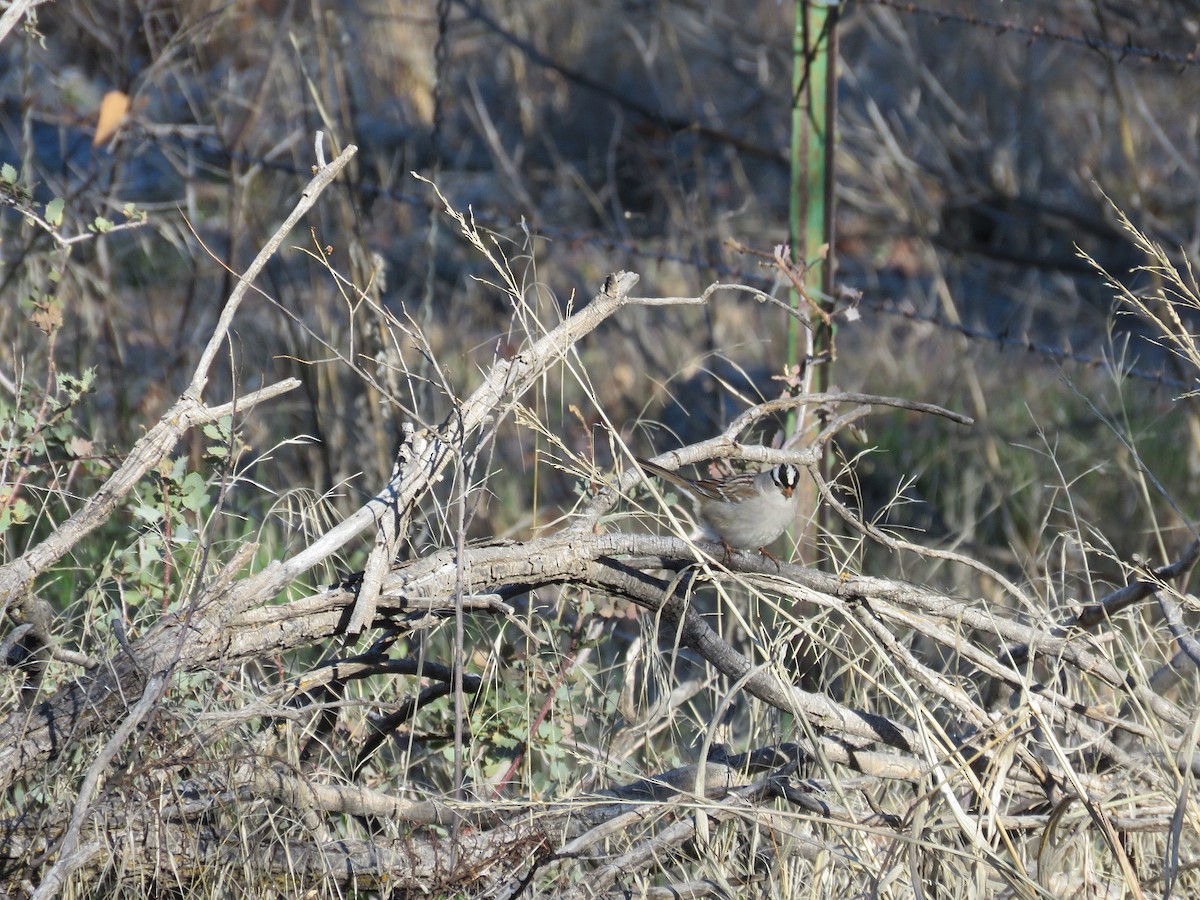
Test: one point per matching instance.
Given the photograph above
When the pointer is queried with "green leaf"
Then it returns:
(219, 430)
(195, 492)
(496, 768)
(74, 387)
(173, 470)
(54, 211)
(149, 554)
(102, 225)
(8, 174)
(148, 513)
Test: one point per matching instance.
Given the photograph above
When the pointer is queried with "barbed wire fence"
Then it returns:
(1121, 52)
(897, 307)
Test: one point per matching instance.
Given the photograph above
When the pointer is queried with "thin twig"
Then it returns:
(68, 859)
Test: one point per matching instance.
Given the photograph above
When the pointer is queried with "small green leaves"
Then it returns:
(13, 511)
(220, 433)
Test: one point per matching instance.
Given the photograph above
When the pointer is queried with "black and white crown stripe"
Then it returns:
(786, 476)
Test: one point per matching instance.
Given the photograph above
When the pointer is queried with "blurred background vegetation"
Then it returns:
(976, 153)
(981, 147)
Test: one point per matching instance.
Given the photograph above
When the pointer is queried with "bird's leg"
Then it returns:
(771, 556)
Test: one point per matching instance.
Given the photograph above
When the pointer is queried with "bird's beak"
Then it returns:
(787, 492)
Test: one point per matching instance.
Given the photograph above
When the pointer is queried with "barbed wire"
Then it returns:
(1023, 342)
(754, 277)
(1039, 32)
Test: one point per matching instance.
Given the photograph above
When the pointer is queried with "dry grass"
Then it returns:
(958, 200)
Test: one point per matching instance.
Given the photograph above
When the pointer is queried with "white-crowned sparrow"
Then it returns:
(746, 511)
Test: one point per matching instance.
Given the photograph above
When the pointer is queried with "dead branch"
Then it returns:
(232, 621)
